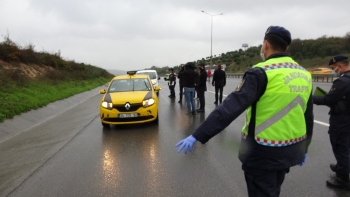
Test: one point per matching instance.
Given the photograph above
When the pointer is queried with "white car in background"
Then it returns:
(153, 75)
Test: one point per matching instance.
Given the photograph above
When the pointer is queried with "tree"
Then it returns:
(346, 43)
(298, 56)
(310, 55)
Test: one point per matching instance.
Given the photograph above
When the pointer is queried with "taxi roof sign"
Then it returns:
(131, 72)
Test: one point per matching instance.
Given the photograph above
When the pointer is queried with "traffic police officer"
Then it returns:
(171, 82)
(279, 120)
(338, 99)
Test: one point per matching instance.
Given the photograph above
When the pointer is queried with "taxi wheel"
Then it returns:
(105, 125)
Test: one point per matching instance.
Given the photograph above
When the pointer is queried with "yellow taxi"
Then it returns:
(129, 99)
(318, 71)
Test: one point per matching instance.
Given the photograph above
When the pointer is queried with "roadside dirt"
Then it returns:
(30, 70)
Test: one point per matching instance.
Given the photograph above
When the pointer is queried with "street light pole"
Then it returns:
(211, 36)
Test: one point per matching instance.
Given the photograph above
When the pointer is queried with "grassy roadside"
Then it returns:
(33, 95)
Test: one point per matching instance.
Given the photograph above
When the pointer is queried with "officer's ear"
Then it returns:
(266, 45)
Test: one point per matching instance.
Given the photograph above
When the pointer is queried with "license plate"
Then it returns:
(127, 115)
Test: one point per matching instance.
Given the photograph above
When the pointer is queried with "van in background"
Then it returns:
(153, 75)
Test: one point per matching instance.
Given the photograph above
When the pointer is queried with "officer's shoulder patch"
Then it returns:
(240, 85)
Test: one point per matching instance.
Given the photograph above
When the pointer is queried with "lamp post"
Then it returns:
(211, 35)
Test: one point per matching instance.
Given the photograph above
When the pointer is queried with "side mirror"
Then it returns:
(103, 91)
(157, 88)
(158, 78)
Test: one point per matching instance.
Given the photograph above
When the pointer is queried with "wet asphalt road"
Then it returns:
(72, 155)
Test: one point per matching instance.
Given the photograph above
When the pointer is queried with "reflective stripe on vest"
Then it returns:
(273, 119)
(280, 110)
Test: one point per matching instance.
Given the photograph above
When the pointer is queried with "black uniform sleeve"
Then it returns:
(309, 119)
(337, 91)
(250, 89)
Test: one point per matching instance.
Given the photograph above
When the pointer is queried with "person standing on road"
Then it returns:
(278, 129)
(201, 87)
(219, 81)
(338, 99)
(190, 80)
(172, 83)
(179, 76)
(209, 74)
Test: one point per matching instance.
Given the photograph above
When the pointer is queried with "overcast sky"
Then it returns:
(137, 34)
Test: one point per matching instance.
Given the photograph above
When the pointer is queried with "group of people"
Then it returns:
(192, 82)
(279, 119)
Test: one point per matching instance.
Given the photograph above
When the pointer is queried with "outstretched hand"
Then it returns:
(186, 144)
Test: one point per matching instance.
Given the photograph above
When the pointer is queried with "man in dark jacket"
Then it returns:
(219, 81)
(190, 80)
(201, 87)
(279, 121)
(179, 76)
(338, 99)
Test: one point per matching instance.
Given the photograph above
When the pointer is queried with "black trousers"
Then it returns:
(261, 183)
(172, 90)
(217, 89)
(340, 142)
(181, 91)
(200, 95)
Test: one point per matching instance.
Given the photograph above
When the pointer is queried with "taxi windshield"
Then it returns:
(127, 85)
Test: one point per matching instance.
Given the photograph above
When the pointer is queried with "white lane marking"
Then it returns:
(321, 123)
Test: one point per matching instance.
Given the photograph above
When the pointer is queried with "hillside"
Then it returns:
(30, 79)
(310, 53)
(31, 71)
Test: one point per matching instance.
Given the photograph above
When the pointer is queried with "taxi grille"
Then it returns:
(128, 119)
(133, 107)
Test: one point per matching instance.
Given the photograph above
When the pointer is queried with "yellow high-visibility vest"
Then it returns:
(280, 111)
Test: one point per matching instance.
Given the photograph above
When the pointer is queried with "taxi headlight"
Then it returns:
(107, 105)
(148, 102)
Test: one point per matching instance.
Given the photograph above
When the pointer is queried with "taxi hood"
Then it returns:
(131, 97)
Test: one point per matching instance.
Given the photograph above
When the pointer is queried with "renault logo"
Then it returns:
(127, 106)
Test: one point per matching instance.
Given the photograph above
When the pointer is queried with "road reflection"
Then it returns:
(131, 156)
(111, 170)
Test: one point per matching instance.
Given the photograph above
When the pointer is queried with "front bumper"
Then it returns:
(147, 114)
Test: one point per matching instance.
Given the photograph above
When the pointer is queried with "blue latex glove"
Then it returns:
(187, 144)
(302, 163)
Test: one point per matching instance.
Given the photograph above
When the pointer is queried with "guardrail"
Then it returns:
(329, 78)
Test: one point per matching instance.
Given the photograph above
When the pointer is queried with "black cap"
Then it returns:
(171, 68)
(281, 32)
(337, 58)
